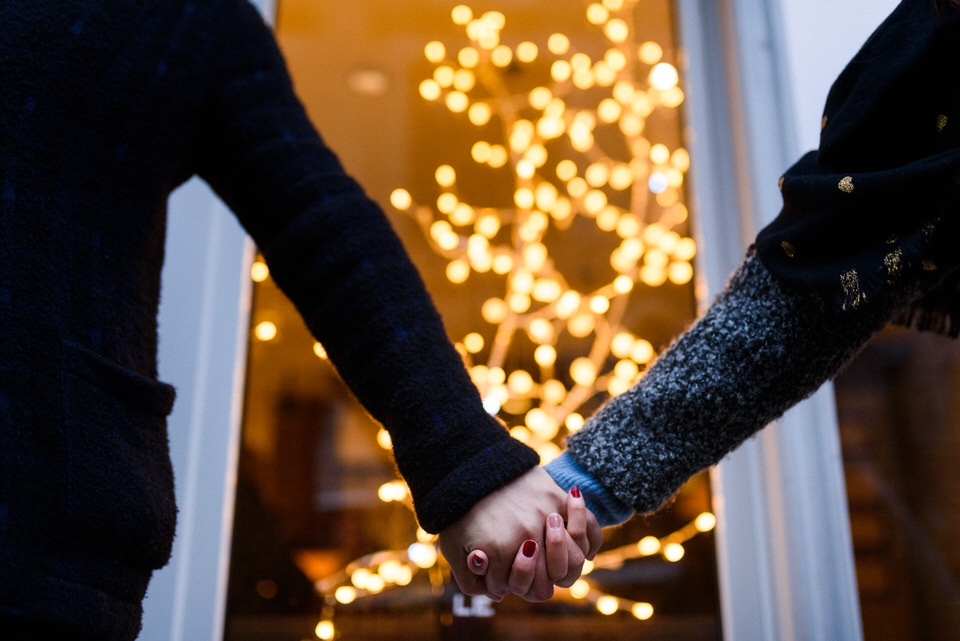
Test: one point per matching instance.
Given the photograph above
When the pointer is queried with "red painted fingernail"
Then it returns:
(476, 560)
(575, 492)
(529, 548)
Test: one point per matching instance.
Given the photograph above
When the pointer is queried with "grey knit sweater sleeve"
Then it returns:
(759, 349)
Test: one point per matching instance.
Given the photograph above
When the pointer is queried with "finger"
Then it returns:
(497, 579)
(575, 559)
(594, 535)
(478, 562)
(524, 568)
(577, 519)
(556, 544)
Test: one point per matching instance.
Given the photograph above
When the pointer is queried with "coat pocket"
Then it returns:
(119, 493)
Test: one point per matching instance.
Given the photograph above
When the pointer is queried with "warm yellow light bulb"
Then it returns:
(650, 53)
(501, 56)
(325, 630)
(429, 89)
(641, 351)
(461, 14)
(685, 249)
(445, 176)
(566, 170)
(621, 177)
(545, 355)
(479, 113)
(345, 594)
(498, 156)
(443, 76)
(525, 169)
(626, 370)
(259, 271)
(648, 545)
(434, 51)
(599, 304)
(581, 325)
(319, 350)
(663, 76)
(457, 101)
(609, 110)
(615, 59)
(502, 263)
(473, 342)
(621, 344)
(554, 392)
(462, 214)
(494, 311)
(468, 57)
(578, 187)
(520, 382)
(628, 226)
(523, 198)
(680, 272)
(608, 604)
(705, 522)
(568, 304)
(401, 199)
(519, 303)
(480, 151)
(607, 219)
(464, 80)
(546, 195)
(560, 70)
(265, 331)
(384, 440)
(527, 51)
(422, 555)
(541, 330)
(487, 225)
(673, 552)
(597, 14)
(616, 30)
(580, 589)
(558, 44)
(642, 611)
(546, 290)
(583, 372)
(574, 422)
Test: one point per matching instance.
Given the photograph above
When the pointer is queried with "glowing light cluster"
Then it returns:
(551, 144)
(574, 147)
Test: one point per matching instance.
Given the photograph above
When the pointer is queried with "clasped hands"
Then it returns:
(514, 541)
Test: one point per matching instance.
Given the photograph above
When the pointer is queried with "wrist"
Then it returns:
(567, 472)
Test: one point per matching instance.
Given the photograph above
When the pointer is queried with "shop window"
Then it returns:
(531, 156)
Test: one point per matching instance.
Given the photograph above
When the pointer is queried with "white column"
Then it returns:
(758, 75)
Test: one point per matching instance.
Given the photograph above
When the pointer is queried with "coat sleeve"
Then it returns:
(334, 253)
(759, 349)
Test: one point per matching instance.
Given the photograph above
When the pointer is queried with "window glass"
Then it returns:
(531, 156)
(899, 417)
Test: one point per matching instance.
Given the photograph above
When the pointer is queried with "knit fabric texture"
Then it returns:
(759, 349)
(106, 108)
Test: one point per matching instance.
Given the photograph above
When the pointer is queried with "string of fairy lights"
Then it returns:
(554, 142)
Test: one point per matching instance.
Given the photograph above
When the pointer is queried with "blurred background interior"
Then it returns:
(539, 182)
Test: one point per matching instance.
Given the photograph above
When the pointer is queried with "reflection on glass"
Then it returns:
(541, 193)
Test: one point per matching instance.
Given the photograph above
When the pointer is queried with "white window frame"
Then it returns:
(758, 72)
(756, 75)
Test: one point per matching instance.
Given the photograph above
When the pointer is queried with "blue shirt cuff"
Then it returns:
(567, 473)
